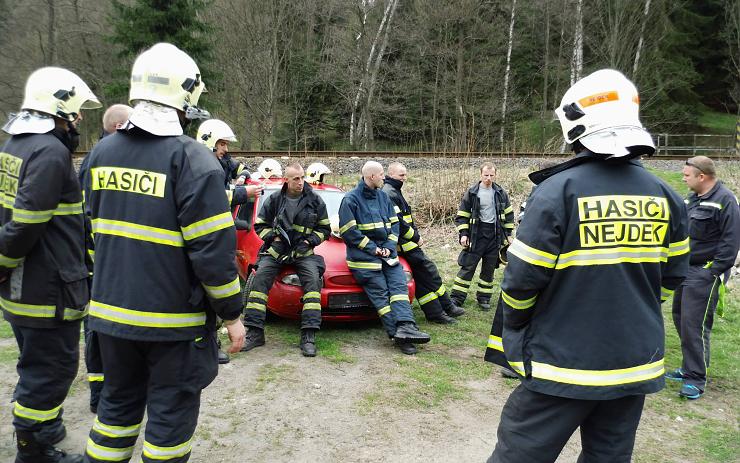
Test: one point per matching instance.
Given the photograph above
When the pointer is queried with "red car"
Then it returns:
(341, 298)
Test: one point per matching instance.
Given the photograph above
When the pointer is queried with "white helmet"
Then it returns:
(602, 111)
(166, 75)
(58, 92)
(315, 172)
(214, 130)
(270, 168)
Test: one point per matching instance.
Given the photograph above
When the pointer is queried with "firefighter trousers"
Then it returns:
(484, 248)
(309, 270)
(535, 427)
(46, 367)
(386, 288)
(163, 378)
(430, 291)
(94, 365)
(694, 304)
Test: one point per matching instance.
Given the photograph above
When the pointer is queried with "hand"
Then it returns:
(236, 336)
(420, 243)
(240, 181)
(465, 241)
(385, 252)
(253, 190)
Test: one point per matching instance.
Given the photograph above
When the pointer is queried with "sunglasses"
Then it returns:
(689, 163)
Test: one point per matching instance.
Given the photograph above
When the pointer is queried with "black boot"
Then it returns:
(455, 310)
(255, 338)
(442, 319)
(223, 357)
(31, 450)
(406, 347)
(409, 333)
(308, 342)
(484, 305)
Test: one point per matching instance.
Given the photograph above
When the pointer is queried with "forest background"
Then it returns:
(427, 75)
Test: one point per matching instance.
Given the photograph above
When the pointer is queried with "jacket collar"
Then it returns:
(366, 191)
(397, 184)
(307, 190)
(582, 157)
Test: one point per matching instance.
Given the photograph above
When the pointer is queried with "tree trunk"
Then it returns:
(645, 14)
(546, 70)
(507, 74)
(51, 42)
(576, 62)
(462, 128)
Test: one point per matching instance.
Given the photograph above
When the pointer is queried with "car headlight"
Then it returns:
(291, 279)
(409, 276)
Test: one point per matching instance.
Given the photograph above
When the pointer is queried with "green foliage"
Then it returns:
(718, 122)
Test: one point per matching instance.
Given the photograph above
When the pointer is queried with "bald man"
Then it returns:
(114, 118)
(369, 226)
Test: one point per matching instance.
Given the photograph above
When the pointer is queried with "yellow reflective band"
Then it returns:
(408, 219)
(711, 204)
(314, 294)
(226, 290)
(303, 254)
(74, 314)
(665, 294)
(485, 284)
(463, 213)
(138, 232)
(311, 306)
(484, 290)
(518, 367)
(145, 319)
(28, 310)
(206, 226)
(463, 226)
(611, 256)
(103, 453)
(408, 246)
(260, 220)
(532, 255)
(27, 216)
(462, 281)
(393, 238)
(256, 306)
(392, 262)
(115, 431)
(363, 242)
(258, 295)
(678, 248)
(369, 226)
(229, 195)
(364, 265)
(519, 304)
(68, 209)
(300, 228)
(495, 342)
(397, 209)
(457, 287)
(166, 453)
(264, 232)
(95, 377)
(34, 414)
(91, 253)
(393, 219)
(347, 226)
(427, 298)
(441, 290)
(598, 377)
(324, 222)
(409, 234)
(10, 262)
(509, 225)
(273, 253)
(399, 298)
(321, 236)
(508, 209)
(384, 310)
(128, 180)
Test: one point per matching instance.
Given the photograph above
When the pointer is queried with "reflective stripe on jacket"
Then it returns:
(408, 235)
(467, 218)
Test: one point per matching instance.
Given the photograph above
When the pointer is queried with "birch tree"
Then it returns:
(641, 39)
(507, 73)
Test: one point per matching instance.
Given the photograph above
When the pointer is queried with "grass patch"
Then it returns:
(6, 331)
(719, 441)
(9, 354)
(717, 122)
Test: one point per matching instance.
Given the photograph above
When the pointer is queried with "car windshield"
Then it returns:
(332, 199)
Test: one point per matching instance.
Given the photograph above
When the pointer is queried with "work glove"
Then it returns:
(302, 247)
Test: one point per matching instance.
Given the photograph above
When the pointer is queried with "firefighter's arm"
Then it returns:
(210, 239)
(729, 241)
(352, 235)
(392, 242)
(674, 269)
(84, 178)
(406, 228)
(532, 259)
(264, 220)
(323, 226)
(36, 201)
(508, 216)
(462, 218)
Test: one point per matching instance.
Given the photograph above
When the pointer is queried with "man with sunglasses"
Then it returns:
(714, 233)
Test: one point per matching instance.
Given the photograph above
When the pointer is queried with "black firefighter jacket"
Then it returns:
(42, 239)
(164, 238)
(601, 245)
(467, 218)
(408, 238)
(311, 224)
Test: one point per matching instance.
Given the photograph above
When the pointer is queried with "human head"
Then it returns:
(601, 112)
(487, 174)
(372, 174)
(397, 171)
(115, 116)
(699, 174)
(294, 179)
(216, 135)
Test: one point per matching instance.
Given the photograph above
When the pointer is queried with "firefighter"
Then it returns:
(164, 265)
(714, 231)
(430, 291)
(316, 172)
(602, 243)
(291, 224)
(484, 222)
(43, 277)
(369, 226)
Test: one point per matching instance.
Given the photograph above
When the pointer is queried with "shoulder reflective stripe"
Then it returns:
(347, 226)
(399, 298)
(368, 226)
(258, 295)
(495, 342)
(146, 319)
(598, 377)
(508, 209)
(264, 232)
(135, 231)
(95, 377)
(532, 255)
(441, 290)
(364, 265)
(225, 290)
(711, 204)
(427, 298)
(392, 237)
(28, 310)
(27, 216)
(665, 294)
(34, 414)
(115, 431)
(462, 226)
(397, 209)
(409, 246)
(10, 262)
(311, 306)
(611, 256)
(324, 222)
(518, 367)
(315, 294)
(165, 453)
(68, 209)
(384, 310)
(462, 213)
(209, 225)
(519, 304)
(678, 248)
(102, 453)
(365, 240)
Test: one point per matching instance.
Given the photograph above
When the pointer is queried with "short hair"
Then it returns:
(294, 165)
(114, 115)
(371, 168)
(393, 166)
(487, 165)
(703, 164)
